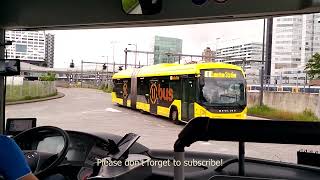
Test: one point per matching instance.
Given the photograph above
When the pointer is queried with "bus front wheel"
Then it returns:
(174, 116)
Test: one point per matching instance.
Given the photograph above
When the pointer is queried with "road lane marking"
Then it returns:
(112, 110)
(91, 111)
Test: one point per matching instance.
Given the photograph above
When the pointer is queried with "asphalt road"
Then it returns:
(91, 110)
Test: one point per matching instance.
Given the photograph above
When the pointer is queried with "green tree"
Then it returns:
(313, 67)
(48, 77)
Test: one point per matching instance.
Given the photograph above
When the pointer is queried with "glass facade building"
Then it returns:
(164, 47)
(295, 40)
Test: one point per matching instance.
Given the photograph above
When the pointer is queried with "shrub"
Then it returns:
(48, 77)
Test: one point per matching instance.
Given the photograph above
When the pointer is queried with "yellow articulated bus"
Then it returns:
(182, 92)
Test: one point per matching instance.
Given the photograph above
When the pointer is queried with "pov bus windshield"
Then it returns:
(152, 81)
(222, 87)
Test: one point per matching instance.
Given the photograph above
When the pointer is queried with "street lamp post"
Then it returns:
(135, 58)
(262, 67)
(81, 72)
(113, 47)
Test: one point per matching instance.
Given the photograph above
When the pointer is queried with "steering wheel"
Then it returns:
(42, 162)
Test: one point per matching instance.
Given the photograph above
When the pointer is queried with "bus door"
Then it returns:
(153, 96)
(188, 98)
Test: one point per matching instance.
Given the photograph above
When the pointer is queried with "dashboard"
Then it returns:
(83, 147)
(83, 151)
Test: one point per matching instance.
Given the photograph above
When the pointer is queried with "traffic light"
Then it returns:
(104, 67)
(72, 64)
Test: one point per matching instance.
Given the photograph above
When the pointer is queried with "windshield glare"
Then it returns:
(222, 87)
(222, 92)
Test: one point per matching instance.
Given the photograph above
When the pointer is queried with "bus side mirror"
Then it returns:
(201, 81)
(241, 87)
(244, 90)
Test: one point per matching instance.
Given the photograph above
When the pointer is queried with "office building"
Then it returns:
(240, 53)
(295, 40)
(28, 46)
(164, 47)
(49, 55)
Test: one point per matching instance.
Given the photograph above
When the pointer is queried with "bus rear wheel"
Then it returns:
(174, 116)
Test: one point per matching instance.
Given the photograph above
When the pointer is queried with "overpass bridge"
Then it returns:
(33, 72)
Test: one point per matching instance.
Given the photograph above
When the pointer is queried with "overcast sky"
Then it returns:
(97, 44)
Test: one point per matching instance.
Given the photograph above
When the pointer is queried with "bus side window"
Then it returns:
(141, 87)
(118, 88)
(175, 85)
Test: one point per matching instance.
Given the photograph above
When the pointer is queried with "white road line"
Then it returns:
(92, 111)
(112, 110)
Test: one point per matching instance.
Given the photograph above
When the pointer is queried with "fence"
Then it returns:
(296, 80)
(30, 90)
(290, 102)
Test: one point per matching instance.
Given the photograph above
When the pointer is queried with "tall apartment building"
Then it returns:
(295, 40)
(49, 54)
(208, 55)
(239, 53)
(28, 46)
(163, 46)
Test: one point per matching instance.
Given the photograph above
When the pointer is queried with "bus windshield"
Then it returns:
(222, 88)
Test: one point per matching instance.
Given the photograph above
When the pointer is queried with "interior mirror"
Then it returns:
(145, 7)
(9, 67)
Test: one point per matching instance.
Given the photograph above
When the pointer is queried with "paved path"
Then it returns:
(91, 110)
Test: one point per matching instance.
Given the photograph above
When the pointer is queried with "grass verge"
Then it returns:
(30, 97)
(271, 113)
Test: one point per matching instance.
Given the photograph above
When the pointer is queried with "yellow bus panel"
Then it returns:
(199, 111)
(163, 111)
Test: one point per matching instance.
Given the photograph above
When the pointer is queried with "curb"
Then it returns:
(253, 115)
(59, 95)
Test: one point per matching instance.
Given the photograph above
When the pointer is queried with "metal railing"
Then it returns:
(284, 80)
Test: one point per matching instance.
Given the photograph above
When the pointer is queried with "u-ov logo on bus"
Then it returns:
(153, 93)
(163, 94)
